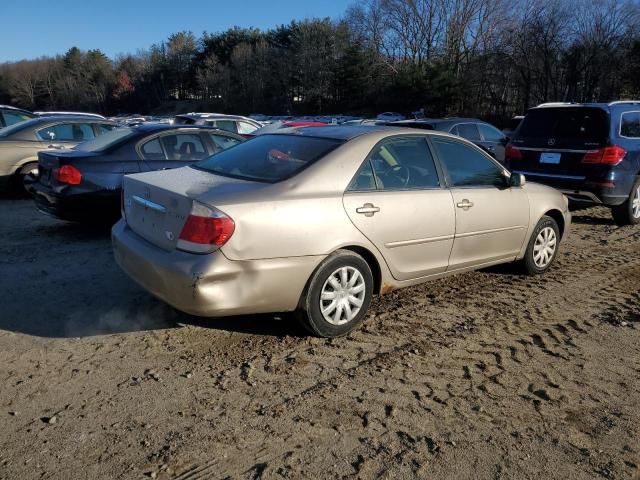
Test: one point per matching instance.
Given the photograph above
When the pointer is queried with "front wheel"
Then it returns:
(337, 296)
(543, 247)
(629, 212)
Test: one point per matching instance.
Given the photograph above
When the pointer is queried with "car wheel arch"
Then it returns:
(558, 217)
(373, 263)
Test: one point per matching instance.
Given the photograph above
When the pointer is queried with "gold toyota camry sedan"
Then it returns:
(317, 220)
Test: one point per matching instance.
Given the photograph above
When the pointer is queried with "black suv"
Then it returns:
(589, 151)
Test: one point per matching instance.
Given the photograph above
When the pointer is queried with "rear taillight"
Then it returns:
(68, 174)
(205, 230)
(605, 156)
(512, 153)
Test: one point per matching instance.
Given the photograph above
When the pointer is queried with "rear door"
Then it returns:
(397, 200)
(491, 219)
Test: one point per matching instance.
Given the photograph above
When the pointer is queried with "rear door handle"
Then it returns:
(464, 204)
(368, 209)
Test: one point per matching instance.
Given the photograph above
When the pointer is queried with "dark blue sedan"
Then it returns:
(84, 183)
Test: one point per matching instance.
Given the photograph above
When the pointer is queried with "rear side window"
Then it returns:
(152, 150)
(104, 128)
(490, 134)
(67, 132)
(223, 142)
(469, 131)
(246, 128)
(565, 127)
(228, 125)
(14, 117)
(630, 125)
(269, 158)
(184, 147)
(466, 166)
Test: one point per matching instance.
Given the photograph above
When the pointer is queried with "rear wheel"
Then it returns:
(25, 176)
(338, 295)
(543, 246)
(629, 212)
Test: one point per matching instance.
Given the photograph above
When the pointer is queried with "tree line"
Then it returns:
(488, 58)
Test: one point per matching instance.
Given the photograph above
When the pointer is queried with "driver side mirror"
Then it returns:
(517, 180)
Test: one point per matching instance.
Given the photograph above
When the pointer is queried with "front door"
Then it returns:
(491, 218)
(398, 203)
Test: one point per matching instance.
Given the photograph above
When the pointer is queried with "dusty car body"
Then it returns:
(332, 218)
(21, 142)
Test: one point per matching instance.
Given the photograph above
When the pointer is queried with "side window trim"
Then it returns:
(620, 124)
(442, 183)
(445, 173)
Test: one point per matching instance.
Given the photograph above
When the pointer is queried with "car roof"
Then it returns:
(156, 127)
(335, 132)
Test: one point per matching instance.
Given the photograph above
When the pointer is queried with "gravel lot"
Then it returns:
(485, 375)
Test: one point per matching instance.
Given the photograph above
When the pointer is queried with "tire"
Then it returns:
(336, 322)
(20, 186)
(629, 212)
(543, 246)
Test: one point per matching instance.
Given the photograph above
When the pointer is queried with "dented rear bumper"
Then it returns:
(212, 285)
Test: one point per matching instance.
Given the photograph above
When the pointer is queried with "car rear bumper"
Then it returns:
(95, 207)
(212, 285)
(582, 189)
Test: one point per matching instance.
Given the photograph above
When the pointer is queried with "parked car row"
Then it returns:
(315, 219)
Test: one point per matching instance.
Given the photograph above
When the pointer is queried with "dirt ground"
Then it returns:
(485, 375)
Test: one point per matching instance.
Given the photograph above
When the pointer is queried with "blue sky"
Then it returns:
(32, 28)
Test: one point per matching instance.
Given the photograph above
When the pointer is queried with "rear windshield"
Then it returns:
(566, 126)
(268, 158)
(106, 140)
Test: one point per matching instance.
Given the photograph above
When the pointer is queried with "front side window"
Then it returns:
(630, 125)
(399, 163)
(152, 150)
(466, 166)
(490, 134)
(67, 132)
(184, 147)
(269, 158)
(469, 131)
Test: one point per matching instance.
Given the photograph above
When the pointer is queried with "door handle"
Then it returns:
(464, 204)
(368, 209)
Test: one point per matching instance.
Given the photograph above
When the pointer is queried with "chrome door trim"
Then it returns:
(418, 241)
(493, 230)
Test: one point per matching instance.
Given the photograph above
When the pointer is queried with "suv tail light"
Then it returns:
(512, 153)
(205, 230)
(606, 156)
(68, 174)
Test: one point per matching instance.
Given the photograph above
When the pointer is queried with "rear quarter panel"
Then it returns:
(14, 154)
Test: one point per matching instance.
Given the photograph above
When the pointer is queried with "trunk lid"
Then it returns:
(158, 203)
(49, 160)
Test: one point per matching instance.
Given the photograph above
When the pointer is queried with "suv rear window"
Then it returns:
(565, 127)
(269, 158)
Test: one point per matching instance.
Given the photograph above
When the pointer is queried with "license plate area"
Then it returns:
(551, 158)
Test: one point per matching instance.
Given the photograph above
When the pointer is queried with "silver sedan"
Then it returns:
(319, 220)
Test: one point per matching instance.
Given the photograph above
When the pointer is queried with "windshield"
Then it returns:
(566, 126)
(106, 140)
(269, 158)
